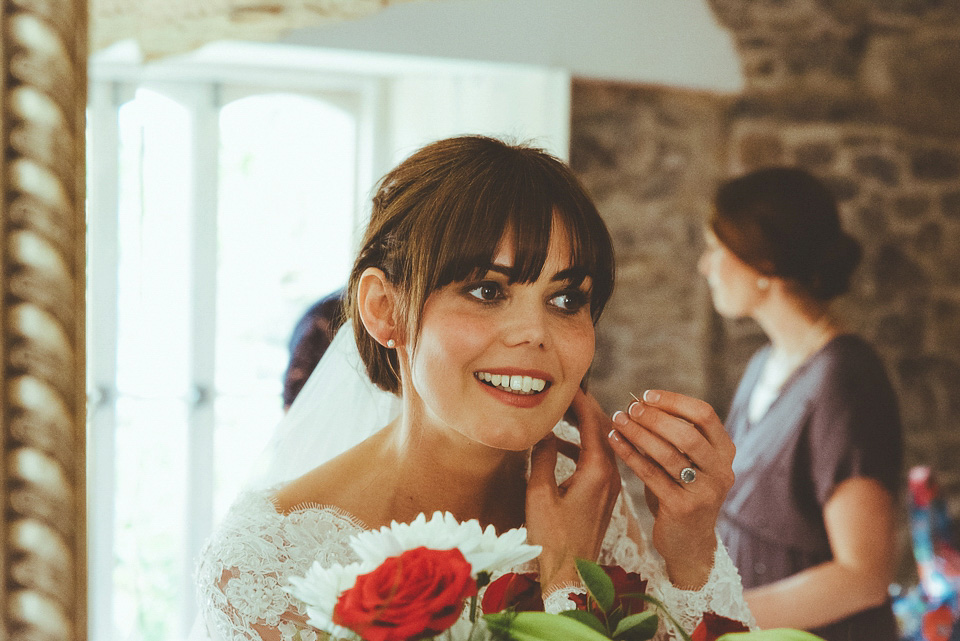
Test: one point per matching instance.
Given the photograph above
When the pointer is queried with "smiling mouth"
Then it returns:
(523, 385)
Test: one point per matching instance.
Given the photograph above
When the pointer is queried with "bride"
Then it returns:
(472, 306)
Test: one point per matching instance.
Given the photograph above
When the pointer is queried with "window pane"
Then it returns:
(151, 472)
(153, 228)
(152, 366)
(286, 221)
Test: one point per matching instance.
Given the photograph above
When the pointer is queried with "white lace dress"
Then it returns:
(249, 559)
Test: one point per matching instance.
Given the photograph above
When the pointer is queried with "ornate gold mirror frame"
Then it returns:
(43, 95)
(43, 48)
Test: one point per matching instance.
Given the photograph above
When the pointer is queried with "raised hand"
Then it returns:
(570, 519)
(678, 447)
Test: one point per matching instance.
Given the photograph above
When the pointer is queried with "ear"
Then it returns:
(376, 304)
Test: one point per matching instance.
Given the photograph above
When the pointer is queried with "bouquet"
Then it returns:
(421, 580)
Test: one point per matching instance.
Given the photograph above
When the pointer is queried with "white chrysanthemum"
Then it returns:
(320, 588)
(483, 549)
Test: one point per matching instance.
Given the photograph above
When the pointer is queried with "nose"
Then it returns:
(526, 324)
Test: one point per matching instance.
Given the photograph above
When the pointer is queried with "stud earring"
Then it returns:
(391, 343)
(763, 283)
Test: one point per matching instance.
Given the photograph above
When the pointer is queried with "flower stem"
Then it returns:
(473, 609)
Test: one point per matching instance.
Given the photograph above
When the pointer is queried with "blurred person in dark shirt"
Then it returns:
(809, 521)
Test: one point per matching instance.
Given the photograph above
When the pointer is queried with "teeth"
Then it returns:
(515, 384)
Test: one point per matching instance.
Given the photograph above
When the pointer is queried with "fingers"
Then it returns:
(667, 432)
(655, 479)
(591, 420)
(543, 462)
(670, 441)
(693, 410)
(705, 443)
(594, 425)
(568, 449)
(672, 447)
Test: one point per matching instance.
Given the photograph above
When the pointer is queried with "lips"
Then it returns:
(514, 384)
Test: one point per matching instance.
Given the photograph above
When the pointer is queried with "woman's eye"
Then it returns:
(570, 301)
(486, 291)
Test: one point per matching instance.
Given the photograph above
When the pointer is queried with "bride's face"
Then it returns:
(500, 362)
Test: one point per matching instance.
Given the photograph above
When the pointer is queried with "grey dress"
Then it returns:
(836, 418)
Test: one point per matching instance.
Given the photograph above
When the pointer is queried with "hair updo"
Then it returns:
(441, 214)
(783, 222)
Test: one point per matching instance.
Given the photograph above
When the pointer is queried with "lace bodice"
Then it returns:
(245, 565)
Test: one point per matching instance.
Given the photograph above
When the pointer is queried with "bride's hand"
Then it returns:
(662, 438)
(570, 520)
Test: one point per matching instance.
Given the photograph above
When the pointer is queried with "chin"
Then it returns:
(517, 440)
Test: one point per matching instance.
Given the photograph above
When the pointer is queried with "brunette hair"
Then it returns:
(784, 222)
(440, 215)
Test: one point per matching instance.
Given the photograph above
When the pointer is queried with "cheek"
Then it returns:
(459, 337)
(444, 347)
(578, 347)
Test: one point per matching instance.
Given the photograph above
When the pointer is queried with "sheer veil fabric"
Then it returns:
(337, 408)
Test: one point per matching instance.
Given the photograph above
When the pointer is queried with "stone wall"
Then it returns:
(865, 94)
(649, 157)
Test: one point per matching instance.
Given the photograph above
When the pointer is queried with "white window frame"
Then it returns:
(200, 89)
(384, 89)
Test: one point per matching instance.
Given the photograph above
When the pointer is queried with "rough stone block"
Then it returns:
(875, 166)
(760, 149)
(895, 273)
(950, 204)
(815, 155)
(911, 206)
(936, 164)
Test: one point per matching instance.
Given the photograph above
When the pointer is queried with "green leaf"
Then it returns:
(775, 634)
(656, 602)
(499, 623)
(597, 582)
(542, 626)
(587, 618)
(642, 625)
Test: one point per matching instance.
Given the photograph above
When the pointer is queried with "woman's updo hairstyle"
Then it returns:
(783, 222)
(439, 218)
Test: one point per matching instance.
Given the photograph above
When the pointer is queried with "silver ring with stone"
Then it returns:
(688, 475)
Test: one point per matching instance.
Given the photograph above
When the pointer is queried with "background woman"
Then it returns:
(810, 519)
(473, 301)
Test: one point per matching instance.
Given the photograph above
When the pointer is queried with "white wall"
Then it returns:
(671, 42)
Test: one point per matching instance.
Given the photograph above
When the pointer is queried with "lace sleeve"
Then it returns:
(626, 545)
(244, 567)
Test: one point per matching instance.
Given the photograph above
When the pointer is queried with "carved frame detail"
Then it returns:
(43, 49)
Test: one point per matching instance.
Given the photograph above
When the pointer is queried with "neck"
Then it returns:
(797, 326)
(442, 470)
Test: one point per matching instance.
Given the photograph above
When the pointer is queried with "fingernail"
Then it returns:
(614, 435)
(650, 396)
(619, 417)
(635, 410)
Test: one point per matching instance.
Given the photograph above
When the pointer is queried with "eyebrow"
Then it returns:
(573, 274)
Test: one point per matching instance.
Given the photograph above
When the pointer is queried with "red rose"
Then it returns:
(624, 583)
(713, 626)
(415, 595)
(519, 591)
